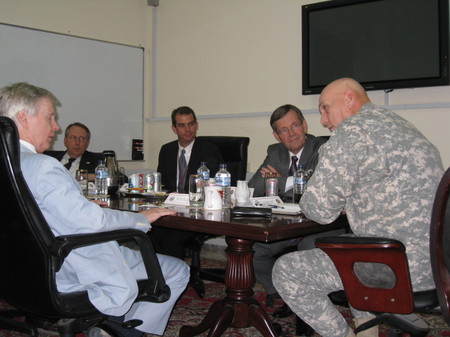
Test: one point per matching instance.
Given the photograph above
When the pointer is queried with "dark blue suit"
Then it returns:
(171, 241)
(89, 160)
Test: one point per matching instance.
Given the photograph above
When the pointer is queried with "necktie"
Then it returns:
(68, 165)
(182, 167)
(293, 167)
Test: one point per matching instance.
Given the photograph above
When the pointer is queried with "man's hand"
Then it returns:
(269, 169)
(154, 214)
(99, 202)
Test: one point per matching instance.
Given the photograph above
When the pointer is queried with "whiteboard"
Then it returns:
(99, 84)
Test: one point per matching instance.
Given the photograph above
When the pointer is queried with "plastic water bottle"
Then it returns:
(223, 179)
(203, 170)
(300, 180)
(101, 178)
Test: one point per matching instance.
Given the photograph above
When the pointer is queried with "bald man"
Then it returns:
(369, 168)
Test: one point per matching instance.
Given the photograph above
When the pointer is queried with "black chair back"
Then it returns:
(234, 153)
(25, 238)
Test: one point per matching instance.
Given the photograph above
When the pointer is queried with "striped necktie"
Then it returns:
(293, 167)
(182, 168)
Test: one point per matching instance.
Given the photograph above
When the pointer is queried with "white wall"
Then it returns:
(220, 57)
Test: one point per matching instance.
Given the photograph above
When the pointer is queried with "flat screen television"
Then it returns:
(383, 44)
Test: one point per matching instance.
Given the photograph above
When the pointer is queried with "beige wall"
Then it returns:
(233, 57)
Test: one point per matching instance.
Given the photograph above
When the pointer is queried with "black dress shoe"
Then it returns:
(278, 329)
(302, 328)
(270, 299)
(282, 312)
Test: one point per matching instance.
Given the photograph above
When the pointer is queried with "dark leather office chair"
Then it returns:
(234, 153)
(30, 256)
(394, 304)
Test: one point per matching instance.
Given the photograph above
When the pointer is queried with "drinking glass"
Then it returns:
(82, 177)
(196, 190)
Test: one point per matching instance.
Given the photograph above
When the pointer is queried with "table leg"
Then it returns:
(238, 309)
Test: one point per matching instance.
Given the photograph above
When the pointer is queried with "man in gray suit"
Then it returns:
(290, 130)
(294, 145)
(108, 272)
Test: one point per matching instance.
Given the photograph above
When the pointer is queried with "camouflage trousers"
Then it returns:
(304, 279)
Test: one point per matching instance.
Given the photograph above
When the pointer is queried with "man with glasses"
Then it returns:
(295, 147)
(76, 140)
(294, 144)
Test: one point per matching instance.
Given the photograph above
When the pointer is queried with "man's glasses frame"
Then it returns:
(293, 127)
(81, 139)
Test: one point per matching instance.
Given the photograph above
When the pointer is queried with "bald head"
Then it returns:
(339, 100)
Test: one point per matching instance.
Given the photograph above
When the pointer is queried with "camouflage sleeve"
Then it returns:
(331, 182)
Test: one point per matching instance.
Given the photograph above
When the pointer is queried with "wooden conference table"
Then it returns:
(238, 308)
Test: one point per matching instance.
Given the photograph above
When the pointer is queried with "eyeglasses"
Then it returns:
(293, 127)
(80, 139)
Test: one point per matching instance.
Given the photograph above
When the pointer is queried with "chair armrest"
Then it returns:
(155, 288)
(360, 242)
(64, 244)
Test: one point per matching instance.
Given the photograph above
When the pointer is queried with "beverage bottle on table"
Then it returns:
(223, 179)
(300, 180)
(203, 170)
(101, 178)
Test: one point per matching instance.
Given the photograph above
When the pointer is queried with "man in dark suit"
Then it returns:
(76, 140)
(175, 175)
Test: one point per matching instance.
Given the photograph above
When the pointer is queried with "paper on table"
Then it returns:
(266, 201)
(277, 205)
(177, 199)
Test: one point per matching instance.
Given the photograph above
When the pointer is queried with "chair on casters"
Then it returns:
(234, 154)
(30, 256)
(395, 304)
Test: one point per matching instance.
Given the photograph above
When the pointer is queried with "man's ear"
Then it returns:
(277, 137)
(305, 126)
(174, 129)
(22, 118)
(349, 99)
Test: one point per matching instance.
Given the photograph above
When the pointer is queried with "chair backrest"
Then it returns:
(439, 244)
(27, 274)
(234, 154)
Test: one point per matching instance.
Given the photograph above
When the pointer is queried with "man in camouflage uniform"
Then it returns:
(380, 170)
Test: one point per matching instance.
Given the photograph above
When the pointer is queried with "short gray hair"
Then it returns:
(23, 96)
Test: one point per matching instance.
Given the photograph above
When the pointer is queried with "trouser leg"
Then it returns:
(156, 315)
(263, 261)
(304, 279)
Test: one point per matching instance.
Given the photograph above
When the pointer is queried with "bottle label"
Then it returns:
(204, 174)
(223, 181)
(300, 180)
(101, 174)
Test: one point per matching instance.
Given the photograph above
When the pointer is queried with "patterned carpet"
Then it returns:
(191, 309)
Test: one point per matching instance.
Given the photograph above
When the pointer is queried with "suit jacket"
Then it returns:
(278, 157)
(201, 151)
(89, 160)
(108, 272)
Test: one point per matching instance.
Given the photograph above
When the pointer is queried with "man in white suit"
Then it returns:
(108, 272)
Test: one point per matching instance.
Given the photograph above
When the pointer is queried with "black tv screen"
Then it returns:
(383, 44)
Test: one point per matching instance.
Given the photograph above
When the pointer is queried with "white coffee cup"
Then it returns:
(213, 197)
(214, 215)
(242, 191)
